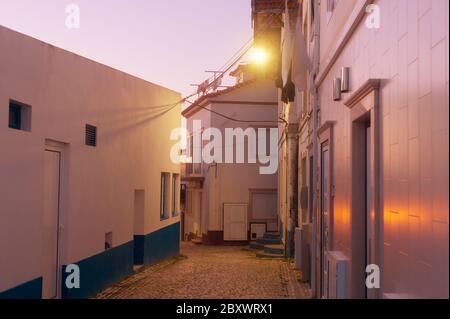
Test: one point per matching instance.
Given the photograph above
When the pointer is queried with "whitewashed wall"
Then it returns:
(66, 92)
(410, 54)
(233, 181)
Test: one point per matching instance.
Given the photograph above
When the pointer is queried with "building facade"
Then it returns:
(86, 176)
(223, 199)
(364, 161)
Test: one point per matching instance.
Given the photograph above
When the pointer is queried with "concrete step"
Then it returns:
(272, 235)
(274, 249)
(269, 256)
(257, 246)
(269, 241)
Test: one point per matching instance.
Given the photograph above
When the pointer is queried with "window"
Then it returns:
(175, 194)
(91, 135)
(19, 116)
(164, 199)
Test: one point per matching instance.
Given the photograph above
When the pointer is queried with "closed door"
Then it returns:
(235, 227)
(324, 217)
(52, 164)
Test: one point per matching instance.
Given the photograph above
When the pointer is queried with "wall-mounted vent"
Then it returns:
(337, 89)
(345, 79)
(91, 135)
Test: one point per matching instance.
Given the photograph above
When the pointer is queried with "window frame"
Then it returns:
(164, 197)
(22, 113)
(175, 194)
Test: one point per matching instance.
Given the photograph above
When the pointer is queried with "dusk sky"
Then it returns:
(170, 43)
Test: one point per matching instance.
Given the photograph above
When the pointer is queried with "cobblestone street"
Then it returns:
(211, 272)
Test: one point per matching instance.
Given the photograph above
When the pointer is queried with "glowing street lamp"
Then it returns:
(259, 56)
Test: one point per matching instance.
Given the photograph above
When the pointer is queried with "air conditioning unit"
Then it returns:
(303, 251)
(337, 264)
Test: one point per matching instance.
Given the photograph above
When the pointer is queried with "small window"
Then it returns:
(91, 135)
(175, 194)
(19, 116)
(164, 199)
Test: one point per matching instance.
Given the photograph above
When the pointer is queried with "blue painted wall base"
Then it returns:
(101, 270)
(29, 290)
(158, 245)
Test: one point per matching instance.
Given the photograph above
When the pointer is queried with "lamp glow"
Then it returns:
(259, 56)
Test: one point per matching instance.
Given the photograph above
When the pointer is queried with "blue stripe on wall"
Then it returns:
(29, 290)
(102, 270)
(139, 249)
(158, 245)
(99, 271)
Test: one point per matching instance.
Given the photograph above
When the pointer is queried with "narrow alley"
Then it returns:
(204, 272)
(208, 149)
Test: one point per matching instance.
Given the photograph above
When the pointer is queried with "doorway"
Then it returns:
(139, 226)
(52, 221)
(324, 217)
(324, 213)
(362, 199)
(368, 188)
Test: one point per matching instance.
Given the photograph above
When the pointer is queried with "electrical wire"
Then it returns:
(227, 66)
(241, 55)
(281, 120)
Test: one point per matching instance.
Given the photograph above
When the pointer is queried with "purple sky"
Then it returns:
(169, 42)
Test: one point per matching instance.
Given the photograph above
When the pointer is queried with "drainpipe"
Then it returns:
(315, 108)
(292, 191)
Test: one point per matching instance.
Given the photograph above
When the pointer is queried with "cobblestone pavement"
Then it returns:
(211, 272)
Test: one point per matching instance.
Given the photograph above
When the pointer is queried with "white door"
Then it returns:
(50, 256)
(235, 222)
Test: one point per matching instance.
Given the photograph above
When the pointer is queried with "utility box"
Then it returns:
(337, 275)
(303, 251)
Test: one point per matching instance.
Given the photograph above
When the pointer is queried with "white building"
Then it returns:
(368, 133)
(86, 176)
(224, 200)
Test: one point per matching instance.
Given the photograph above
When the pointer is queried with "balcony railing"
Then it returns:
(192, 169)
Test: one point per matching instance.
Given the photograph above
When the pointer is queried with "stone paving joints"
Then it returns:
(216, 272)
